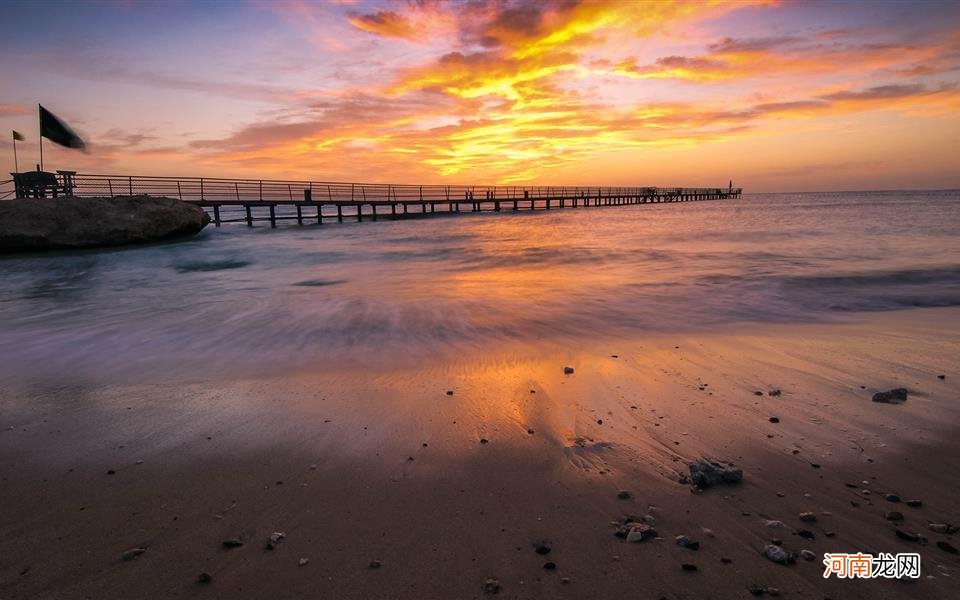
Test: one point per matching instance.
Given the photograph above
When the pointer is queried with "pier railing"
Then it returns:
(212, 189)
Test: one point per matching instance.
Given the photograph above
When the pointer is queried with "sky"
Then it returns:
(775, 95)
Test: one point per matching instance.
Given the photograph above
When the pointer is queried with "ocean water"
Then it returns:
(236, 301)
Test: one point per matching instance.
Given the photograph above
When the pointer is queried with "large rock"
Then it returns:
(706, 473)
(32, 224)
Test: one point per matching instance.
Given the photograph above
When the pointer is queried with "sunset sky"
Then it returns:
(777, 96)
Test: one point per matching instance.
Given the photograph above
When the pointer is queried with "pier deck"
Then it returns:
(248, 200)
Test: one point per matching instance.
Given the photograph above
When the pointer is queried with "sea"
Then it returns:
(236, 302)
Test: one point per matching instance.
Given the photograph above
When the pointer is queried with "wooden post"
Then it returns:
(216, 215)
(299, 215)
(339, 213)
(249, 216)
(273, 217)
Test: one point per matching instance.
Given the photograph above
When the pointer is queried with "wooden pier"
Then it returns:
(308, 202)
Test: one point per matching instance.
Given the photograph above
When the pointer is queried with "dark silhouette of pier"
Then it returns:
(251, 200)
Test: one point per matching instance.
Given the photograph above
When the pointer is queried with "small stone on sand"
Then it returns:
(774, 419)
(491, 586)
(807, 555)
(568, 370)
(232, 543)
(204, 578)
(132, 553)
(807, 517)
(894, 396)
(623, 495)
(688, 567)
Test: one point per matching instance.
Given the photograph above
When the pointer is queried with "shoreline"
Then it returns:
(445, 516)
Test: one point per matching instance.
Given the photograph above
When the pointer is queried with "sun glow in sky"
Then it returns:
(774, 95)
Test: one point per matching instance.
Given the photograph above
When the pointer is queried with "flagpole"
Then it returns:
(40, 124)
(16, 163)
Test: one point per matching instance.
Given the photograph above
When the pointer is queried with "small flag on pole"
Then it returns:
(57, 131)
(17, 136)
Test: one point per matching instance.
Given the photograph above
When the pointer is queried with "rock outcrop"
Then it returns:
(33, 224)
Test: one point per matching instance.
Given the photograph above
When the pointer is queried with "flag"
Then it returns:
(17, 136)
(57, 131)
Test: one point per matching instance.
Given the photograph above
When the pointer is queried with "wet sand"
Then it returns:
(358, 463)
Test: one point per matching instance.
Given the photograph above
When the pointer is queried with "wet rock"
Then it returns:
(132, 553)
(807, 517)
(893, 515)
(894, 396)
(907, 535)
(774, 419)
(942, 528)
(542, 548)
(705, 473)
(914, 503)
(275, 539)
(688, 567)
(49, 223)
(687, 543)
(774, 524)
(491, 586)
(892, 498)
(806, 534)
(550, 566)
(567, 370)
(232, 543)
(623, 495)
(946, 547)
(808, 555)
(204, 578)
(636, 532)
(777, 554)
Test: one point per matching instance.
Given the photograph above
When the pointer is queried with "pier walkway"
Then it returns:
(251, 200)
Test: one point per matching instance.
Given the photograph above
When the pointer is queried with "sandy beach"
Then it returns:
(355, 464)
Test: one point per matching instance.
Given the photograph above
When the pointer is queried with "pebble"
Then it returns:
(491, 586)
(774, 392)
(111, 472)
(906, 535)
(914, 503)
(565, 580)
(542, 548)
(275, 538)
(893, 515)
(774, 419)
(688, 567)
(775, 524)
(777, 554)
(623, 495)
(808, 555)
(758, 393)
(686, 542)
(599, 421)
(449, 392)
(567, 370)
(636, 532)
(815, 465)
(892, 498)
(375, 564)
(484, 441)
(303, 562)
(808, 517)
(726, 560)
(894, 396)
(940, 527)
(132, 553)
(550, 566)
(806, 534)
(530, 431)
(204, 578)
(232, 543)
(946, 547)
(941, 376)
